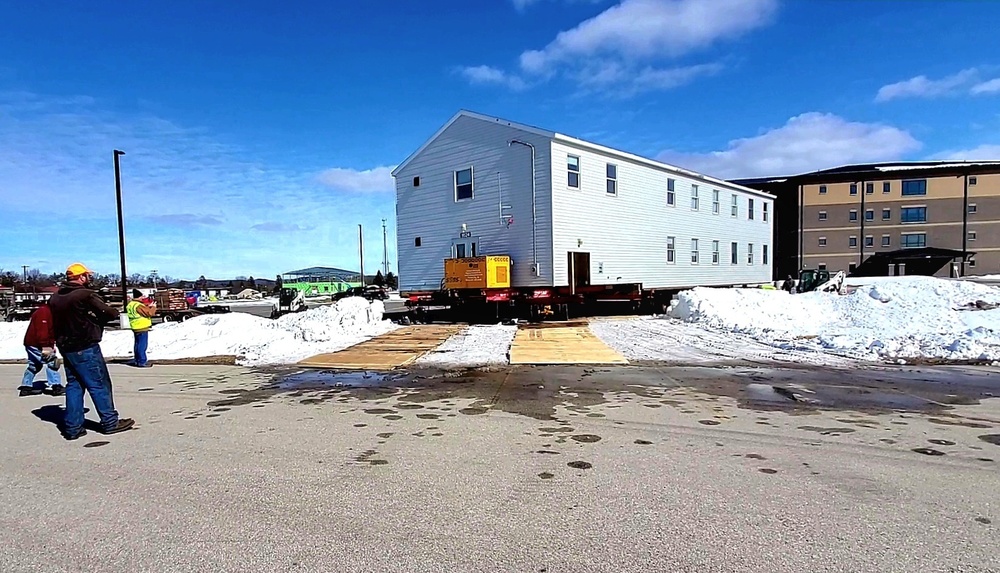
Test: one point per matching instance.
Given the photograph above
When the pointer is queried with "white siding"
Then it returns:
(431, 212)
(626, 234)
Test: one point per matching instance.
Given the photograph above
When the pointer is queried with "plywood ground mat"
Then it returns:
(570, 343)
(391, 350)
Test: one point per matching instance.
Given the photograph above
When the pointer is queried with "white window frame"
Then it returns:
(570, 171)
(822, 189)
(971, 236)
(886, 187)
(749, 253)
(867, 211)
(821, 242)
(471, 184)
(852, 212)
(734, 208)
(671, 250)
(852, 239)
(671, 192)
(972, 263)
(715, 252)
(734, 253)
(695, 201)
(886, 240)
(764, 255)
(972, 208)
(973, 180)
(916, 234)
(611, 186)
(869, 239)
(822, 216)
(887, 214)
(765, 211)
(694, 251)
(715, 201)
(749, 209)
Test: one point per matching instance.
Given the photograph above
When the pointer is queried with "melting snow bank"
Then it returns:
(474, 347)
(908, 317)
(253, 340)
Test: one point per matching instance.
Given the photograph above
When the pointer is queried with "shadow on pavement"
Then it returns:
(54, 414)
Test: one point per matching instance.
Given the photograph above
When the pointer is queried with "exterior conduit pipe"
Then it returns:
(534, 249)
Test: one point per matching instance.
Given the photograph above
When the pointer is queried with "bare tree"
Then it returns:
(34, 275)
(136, 279)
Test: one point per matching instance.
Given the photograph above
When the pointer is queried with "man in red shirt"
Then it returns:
(39, 343)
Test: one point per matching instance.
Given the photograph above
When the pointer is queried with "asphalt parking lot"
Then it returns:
(525, 469)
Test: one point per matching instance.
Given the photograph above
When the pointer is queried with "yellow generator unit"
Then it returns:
(477, 272)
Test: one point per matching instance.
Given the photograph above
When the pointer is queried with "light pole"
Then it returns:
(121, 221)
(361, 251)
(385, 251)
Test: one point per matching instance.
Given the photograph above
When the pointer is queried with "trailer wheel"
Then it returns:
(168, 318)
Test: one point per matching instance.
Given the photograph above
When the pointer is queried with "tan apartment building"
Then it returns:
(939, 218)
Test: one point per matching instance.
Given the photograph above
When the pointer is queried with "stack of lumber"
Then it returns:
(171, 299)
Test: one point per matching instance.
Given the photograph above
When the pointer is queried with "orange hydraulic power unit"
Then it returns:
(477, 272)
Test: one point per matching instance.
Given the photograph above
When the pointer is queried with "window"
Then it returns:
(972, 208)
(852, 267)
(416, 182)
(463, 184)
(852, 242)
(869, 188)
(749, 253)
(913, 240)
(822, 215)
(915, 187)
(822, 266)
(822, 189)
(460, 251)
(694, 197)
(972, 235)
(715, 201)
(734, 253)
(750, 209)
(886, 187)
(670, 250)
(612, 172)
(765, 211)
(972, 263)
(913, 215)
(416, 242)
(694, 251)
(870, 215)
(886, 241)
(854, 188)
(573, 171)
(671, 195)
(734, 209)
(869, 241)
(853, 215)
(715, 252)
(822, 241)
(765, 255)
(973, 180)
(886, 214)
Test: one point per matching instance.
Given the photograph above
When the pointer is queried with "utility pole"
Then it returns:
(385, 251)
(361, 250)
(24, 270)
(121, 222)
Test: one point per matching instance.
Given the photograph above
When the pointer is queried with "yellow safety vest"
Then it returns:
(135, 320)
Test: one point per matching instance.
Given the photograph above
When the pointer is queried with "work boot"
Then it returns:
(122, 425)
(57, 390)
(75, 436)
(29, 391)
(56, 364)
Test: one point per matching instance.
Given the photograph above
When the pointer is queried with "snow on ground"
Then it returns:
(907, 317)
(474, 347)
(252, 339)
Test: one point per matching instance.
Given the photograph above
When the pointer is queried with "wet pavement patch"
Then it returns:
(360, 425)
(942, 442)
(546, 475)
(429, 416)
(378, 411)
(643, 442)
(985, 459)
(709, 422)
(984, 520)
(472, 411)
(385, 435)
(767, 471)
(991, 439)
(586, 438)
(393, 417)
(550, 452)
(827, 431)
(95, 444)
(145, 389)
(580, 465)
(928, 451)
(957, 422)
(755, 457)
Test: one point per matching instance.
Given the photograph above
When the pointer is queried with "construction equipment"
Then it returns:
(820, 280)
(172, 306)
(289, 300)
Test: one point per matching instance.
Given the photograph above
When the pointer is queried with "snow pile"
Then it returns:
(474, 347)
(252, 339)
(906, 317)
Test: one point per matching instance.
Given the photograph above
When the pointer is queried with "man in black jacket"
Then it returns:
(78, 317)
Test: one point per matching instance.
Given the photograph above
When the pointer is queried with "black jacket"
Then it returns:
(78, 317)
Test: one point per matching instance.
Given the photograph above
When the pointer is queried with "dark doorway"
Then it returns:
(579, 269)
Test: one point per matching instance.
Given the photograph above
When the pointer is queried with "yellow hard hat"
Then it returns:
(77, 269)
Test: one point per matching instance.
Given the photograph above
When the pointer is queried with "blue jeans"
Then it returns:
(35, 365)
(139, 350)
(86, 369)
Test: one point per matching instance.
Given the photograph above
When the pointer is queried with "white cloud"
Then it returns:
(982, 152)
(923, 87)
(367, 181)
(805, 143)
(488, 75)
(279, 227)
(987, 87)
(643, 29)
(624, 81)
(522, 5)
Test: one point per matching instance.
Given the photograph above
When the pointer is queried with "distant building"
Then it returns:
(939, 217)
(321, 280)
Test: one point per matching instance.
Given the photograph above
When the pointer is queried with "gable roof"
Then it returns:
(581, 144)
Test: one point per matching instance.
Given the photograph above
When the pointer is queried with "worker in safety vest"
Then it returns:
(140, 321)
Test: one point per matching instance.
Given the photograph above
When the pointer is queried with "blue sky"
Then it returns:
(258, 135)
